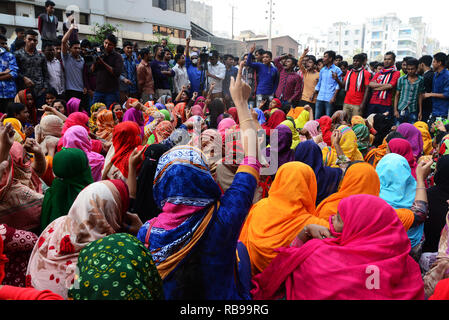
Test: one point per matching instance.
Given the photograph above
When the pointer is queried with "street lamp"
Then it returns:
(271, 17)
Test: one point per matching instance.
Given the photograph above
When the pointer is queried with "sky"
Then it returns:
(292, 20)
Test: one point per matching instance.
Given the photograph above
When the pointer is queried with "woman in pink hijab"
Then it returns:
(364, 257)
(224, 125)
(77, 138)
(403, 148)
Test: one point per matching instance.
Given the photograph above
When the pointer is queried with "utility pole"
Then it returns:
(270, 25)
(233, 21)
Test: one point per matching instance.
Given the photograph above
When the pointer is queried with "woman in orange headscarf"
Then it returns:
(276, 221)
(360, 178)
(105, 125)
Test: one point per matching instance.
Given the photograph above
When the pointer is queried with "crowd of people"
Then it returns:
(130, 174)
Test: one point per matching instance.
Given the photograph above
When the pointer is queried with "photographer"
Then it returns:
(161, 72)
(216, 73)
(108, 67)
(74, 65)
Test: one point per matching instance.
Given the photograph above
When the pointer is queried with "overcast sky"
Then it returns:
(291, 19)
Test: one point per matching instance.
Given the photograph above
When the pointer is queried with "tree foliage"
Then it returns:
(101, 31)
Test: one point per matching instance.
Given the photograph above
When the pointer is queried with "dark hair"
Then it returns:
(63, 102)
(86, 44)
(331, 54)
(398, 65)
(440, 57)
(359, 57)
(413, 62)
(237, 59)
(344, 63)
(365, 56)
(394, 135)
(228, 56)
(144, 51)
(20, 44)
(31, 32)
(127, 44)
(319, 60)
(294, 61)
(180, 49)
(215, 53)
(74, 42)
(49, 4)
(111, 38)
(427, 60)
(391, 53)
(260, 51)
(14, 108)
(338, 57)
(156, 48)
(2, 37)
(373, 64)
(20, 30)
(407, 59)
(178, 57)
(51, 91)
(312, 57)
(269, 53)
(47, 44)
(216, 108)
(3, 30)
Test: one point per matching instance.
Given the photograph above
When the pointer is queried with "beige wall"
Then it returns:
(284, 44)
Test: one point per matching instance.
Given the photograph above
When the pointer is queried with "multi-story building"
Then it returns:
(202, 15)
(279, 45)
(346, 39)
(138, 20)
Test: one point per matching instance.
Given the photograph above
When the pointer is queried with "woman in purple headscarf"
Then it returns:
(414, 136)
(284, 151)
(135, 115)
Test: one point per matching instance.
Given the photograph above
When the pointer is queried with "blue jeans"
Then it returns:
(106, 98)
(407, 117)
(321, 107)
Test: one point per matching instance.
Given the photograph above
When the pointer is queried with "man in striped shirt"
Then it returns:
(409, 95)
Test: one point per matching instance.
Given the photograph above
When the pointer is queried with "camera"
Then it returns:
(204, 56)
(92, 55)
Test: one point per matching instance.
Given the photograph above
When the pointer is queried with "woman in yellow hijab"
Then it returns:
(296, 138)
(427, 139)
(360, 178)
(348, 144)
(19, 135)
(276, 221)
(303, 118)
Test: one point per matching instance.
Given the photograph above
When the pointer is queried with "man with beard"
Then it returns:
(196, 74)
(161, 73)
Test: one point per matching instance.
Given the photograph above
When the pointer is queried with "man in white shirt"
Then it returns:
(55, 70)
(181, 78)
(216, 74)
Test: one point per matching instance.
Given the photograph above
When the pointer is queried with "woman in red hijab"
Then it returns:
(275, 119)
(326, 129)
(233, 113)
(125, 139)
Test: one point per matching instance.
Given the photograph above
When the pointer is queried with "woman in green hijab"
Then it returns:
(73, 174)
(363, 138)
(117, 267)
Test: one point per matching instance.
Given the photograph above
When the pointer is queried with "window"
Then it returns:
(406, 32)
(376, 35)
(167, 31)
(346, 43)
(356, 42)
(291, 51)
(336, 43)
(279, 50)
(346, 33)
(84, 19)
(8, 7)
(357, 31)
(172, 5)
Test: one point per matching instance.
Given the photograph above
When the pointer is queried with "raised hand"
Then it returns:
(31, 146)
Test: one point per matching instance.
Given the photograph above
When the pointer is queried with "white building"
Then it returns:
(346, 39)
(138, 20)
(202, 15)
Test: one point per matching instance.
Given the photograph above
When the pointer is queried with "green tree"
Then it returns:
(161, 37)
(101, 31)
